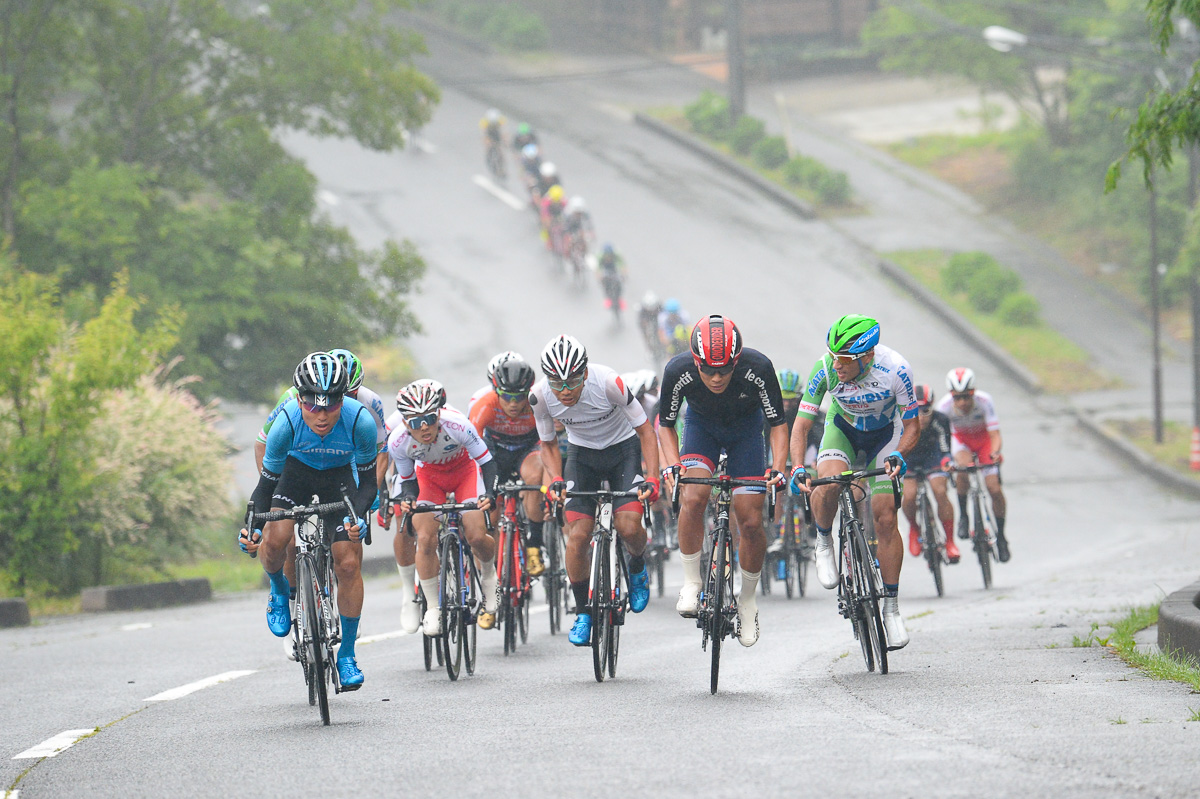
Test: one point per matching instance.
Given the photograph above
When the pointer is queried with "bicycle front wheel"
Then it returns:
(983, 549)
(450, 598)
(552, 579)
(854, 600)
(870, 589)
(598, 607)
(716, 606)
(508, 592)
(933, 547)
(314, 635)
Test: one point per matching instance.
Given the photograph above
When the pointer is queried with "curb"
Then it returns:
(1179, 623)
(1005, 362)
(1127, 450)
(715, 156)
(152, 595)
(14, 613)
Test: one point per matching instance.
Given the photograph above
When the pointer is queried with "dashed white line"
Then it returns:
(140, 626)
(192, 687)
(370, 639)
(52, 746)
(499, 193)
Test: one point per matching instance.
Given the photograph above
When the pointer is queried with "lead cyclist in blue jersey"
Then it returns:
(873, 421)
(321, 441)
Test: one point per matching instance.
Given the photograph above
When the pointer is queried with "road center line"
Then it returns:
(192, 687)
(499, 193)
(52, 746)
(370, 639)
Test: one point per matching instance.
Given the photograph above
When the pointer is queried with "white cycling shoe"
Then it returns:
(826, 569)
(748, 624)
(893, 624)
(432, 625)
(689, 600)
(410, 616)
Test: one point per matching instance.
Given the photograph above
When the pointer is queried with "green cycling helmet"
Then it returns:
(853, 334)
(789, 383)
(353, 367)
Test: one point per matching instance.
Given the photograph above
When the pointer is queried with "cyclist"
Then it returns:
(609, 437)
(672, 327)
(975, 430)
(789, 385)
(492, 126)
(547, 178)
(435, 451)
(321, 442)
(931, 455)
(505, 420)
(577, 221)
(523, 137)
(730, 391)
(491, 378)
(612, 274)
(871, 385)
(531, 163)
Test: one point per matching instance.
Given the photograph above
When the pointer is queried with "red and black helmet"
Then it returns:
(716, 342)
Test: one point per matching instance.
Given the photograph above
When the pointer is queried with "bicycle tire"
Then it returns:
(858, 616)
(620, 598)
(313, 635)
(552, 578)
(508, 619)
(598, 607)
(473, 601)
(716, 610)
(878, 636)
(523, 595)
(450, 597)
(933, 552)
(872, 590)
(983, 549)
(660, 570)
(427, 643)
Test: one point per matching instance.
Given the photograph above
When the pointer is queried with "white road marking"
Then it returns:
(192, 687)
(11, 794)
(499, 193)
(328, 197)
(140, 626)
(370, 639)
(52, 746)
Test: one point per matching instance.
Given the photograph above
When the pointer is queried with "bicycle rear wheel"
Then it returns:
(314, 635)
(933, 550)
(983, 549)
(450, 598)
(598, 607)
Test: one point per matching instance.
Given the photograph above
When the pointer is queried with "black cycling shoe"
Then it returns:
(1002, 548)
(963, 529)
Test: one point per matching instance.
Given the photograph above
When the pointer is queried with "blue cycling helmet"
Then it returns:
(530, 151)
(672, 305)
(607, 249)
(853, 334)
(789, 383)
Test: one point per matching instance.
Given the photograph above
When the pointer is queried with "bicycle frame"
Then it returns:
(983, 520)
(510, 564)
(929, 526)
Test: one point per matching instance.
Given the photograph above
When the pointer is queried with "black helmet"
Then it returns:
(514, 375)
(320, 378)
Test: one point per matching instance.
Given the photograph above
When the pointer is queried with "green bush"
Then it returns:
(802, 170)
(770, 153)
(527, 32)
(1020, 310)
(959, 272)
(833, 188)
(745, 134)
(991, 285)
(509, 26)
(709, 115)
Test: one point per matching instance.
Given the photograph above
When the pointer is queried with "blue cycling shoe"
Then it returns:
(639, 591)
(348, 674)
(279, 614)
(581, 631)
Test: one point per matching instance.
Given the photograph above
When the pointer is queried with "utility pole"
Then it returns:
(1194, 296)
(735, 58)
(1154, 315)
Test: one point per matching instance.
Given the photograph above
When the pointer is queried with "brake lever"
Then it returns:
(365, 533)
(250, 525)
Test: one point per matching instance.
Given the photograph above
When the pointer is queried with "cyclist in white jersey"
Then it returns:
(975, 433)
(434, 452)
(609, 437)
(871, 386)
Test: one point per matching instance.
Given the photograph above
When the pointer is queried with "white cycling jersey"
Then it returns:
(869, 402)
(374, 404)
(982, 417)
(605, 414)
(457, 439)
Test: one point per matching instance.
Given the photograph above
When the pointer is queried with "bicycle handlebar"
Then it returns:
(725, 481)
(448, 507)
(847, 478)
(299, 512)
(611, 495)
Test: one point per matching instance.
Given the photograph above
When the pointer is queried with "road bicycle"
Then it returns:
(608, 580)
(554, 579)
(983, 518)
(495, 161)
(460, 596)
(658, 550)
(316, 623)
(860, 588)
(515, 584)
(790, 564)
(716, 616)
(933, 537)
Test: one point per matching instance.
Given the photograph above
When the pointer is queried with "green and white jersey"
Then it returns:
(868, 403)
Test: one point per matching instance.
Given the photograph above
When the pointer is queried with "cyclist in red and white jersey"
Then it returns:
(609, 437)
(436, 451)
(975, 431)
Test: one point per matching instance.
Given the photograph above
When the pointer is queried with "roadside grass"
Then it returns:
(1176, 666)
(1059, 363)
(674, 117)
(1175, 451)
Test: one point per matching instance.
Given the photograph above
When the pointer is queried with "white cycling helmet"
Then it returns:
(650, 300)
(641, 382)
(960, 380)
(493, 115)
(495, 361)
(564, 358)
(576, 205)
(421, 397)
(548, 169)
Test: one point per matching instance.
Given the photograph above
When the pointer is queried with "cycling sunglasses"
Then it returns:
(509, 396)
(716, 370)
(963, 395)
(420, 422)
(844, 358)
(313, 407)
(565, 385)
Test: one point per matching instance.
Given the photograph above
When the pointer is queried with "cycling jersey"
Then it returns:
(982, 418)
(456, 440)
(605, 414)
(364, 395)
(933, 445)
(752, 387)
(501, 430)
(521, 139)
(578, 222)
(351, 439)
(869, 402)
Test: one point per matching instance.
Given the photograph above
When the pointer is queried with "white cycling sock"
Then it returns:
(749, 586)
(691, 567)
(489, 580)
(430, 587)
(407, 575)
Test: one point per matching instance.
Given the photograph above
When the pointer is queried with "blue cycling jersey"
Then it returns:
(350, 441)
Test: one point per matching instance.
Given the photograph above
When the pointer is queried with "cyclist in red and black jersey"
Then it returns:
(730, 391)
(932, 456)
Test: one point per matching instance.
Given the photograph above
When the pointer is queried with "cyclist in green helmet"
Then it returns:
(873, 422)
